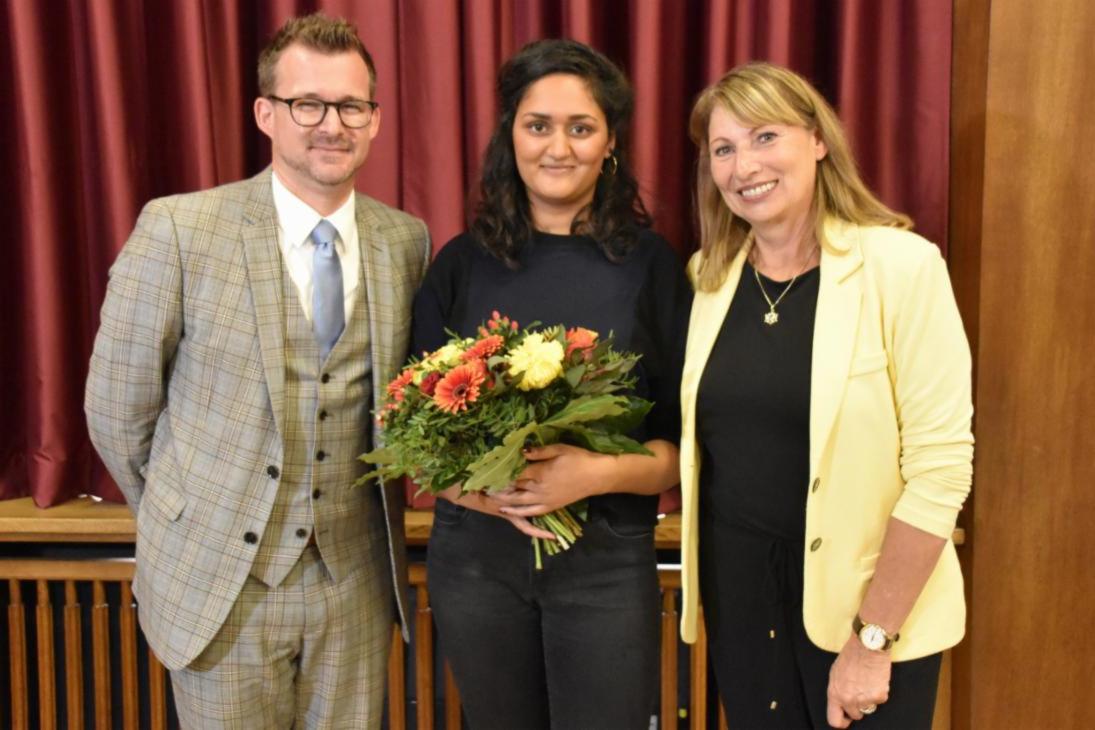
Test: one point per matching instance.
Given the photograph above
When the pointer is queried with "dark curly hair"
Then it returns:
(502, 221)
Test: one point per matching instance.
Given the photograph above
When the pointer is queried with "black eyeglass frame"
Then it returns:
(372, 105)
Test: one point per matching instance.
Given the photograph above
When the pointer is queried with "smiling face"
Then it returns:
(766, 173)
(560, 142)
(317, 163)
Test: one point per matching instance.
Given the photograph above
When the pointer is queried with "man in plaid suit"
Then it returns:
(246, 333)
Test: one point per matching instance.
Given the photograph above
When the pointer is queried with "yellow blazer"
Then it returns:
(890, 414)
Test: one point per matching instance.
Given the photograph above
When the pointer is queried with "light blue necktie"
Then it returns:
(328, 309)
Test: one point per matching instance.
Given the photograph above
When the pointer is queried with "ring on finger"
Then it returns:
(868, 709)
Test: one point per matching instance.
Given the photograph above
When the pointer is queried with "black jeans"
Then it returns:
(574, 645)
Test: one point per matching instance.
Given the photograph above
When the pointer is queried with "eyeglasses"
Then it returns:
(306, 112)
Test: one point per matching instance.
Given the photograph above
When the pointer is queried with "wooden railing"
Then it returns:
(97, 617)
(92, 598)
(146, 695)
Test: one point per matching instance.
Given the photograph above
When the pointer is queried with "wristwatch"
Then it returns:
(873, 636)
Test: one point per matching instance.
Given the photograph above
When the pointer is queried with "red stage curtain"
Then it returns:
(108, 104)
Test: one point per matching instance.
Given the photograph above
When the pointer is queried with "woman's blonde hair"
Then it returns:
(763, 93)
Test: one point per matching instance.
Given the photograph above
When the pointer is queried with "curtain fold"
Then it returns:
(112, 103)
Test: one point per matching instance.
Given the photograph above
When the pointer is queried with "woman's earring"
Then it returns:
(615, 164)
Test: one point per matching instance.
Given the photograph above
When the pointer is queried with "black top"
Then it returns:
(642, 300)
(753, 410)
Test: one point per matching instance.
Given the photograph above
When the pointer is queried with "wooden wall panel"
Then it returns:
(1030, 656)
(969, 81)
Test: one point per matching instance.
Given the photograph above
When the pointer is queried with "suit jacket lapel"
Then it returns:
(378, 293)
(264, 272)
(840, 294)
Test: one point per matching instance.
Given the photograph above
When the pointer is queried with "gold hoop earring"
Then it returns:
(615, 164)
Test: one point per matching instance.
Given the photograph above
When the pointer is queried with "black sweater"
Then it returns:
(642, 300)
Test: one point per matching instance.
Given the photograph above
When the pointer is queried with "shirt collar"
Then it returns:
(297, 219)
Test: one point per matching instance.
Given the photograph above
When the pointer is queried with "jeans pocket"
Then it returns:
(448, 514)
(636, 533)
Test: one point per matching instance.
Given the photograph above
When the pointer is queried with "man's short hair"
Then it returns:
(319, 33)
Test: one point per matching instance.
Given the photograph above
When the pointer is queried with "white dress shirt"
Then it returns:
(296, 220)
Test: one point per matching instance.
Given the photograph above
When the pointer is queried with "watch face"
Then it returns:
(873, 637)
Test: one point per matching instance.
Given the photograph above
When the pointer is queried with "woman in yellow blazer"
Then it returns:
(826, 446)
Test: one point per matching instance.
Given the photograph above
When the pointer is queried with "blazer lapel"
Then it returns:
(840, 295)
(705, 322)
(264, 272)
(378, 292)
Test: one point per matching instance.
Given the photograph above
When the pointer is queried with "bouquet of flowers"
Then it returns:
(464, 413)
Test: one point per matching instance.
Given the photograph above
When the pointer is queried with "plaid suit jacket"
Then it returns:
(185, 394)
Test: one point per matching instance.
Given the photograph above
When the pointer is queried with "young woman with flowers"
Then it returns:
(559, 236)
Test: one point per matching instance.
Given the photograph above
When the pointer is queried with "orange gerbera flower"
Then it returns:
(395, 388)
(579, 338)
(484, 348)
(459, 387)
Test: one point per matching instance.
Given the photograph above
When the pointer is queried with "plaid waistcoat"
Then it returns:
(327, 424)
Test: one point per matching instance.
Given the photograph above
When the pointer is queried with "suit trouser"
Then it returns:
(310, 653)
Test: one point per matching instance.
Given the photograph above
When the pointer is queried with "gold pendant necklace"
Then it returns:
(771, 317)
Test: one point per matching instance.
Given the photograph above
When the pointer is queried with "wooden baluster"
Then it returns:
(722, 717)
(74, 659)
(698, 680)
(423, 659)
(100, 642)
(453, 718)
(397, 690)
(669, 659)
(157, 692)
(17, 656)
(47, 687)
(127, 621)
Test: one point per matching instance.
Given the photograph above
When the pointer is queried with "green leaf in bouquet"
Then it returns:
(619, 366)
(383, 455)
(574, 375)
(604, 386)
(547, 435)
(557, 333)
(380, 474)
(605, 443)
(602, 348)
(629, 420)
(588, 408)
(495, 469)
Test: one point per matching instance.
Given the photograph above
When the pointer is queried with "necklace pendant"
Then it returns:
(771, 317)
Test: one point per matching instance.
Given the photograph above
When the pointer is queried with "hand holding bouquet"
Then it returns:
(464, 413)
